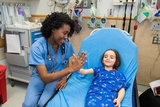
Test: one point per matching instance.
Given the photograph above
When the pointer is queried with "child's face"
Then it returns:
(109, 59)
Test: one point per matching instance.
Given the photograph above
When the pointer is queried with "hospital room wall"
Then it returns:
(46, 7)
(147, 53)
(13, 1)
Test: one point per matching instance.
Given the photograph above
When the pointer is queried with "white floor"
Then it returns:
(16, 94)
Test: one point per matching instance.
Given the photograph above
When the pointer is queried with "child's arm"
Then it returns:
(86, 71)
(118, 100)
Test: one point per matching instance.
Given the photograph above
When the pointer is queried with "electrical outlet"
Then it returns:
(155, 25)
(156, 40)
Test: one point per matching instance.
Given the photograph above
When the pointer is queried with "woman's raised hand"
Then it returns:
(78, 61)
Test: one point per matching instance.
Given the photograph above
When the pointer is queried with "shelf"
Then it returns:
(18, 79)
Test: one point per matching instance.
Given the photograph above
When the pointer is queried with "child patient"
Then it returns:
(108, 86)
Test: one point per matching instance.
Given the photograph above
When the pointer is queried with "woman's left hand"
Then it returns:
(61, 84)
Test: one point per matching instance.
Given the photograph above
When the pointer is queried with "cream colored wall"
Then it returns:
(47, 6)
(147, 52)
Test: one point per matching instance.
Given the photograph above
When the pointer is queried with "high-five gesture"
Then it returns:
(78, 61)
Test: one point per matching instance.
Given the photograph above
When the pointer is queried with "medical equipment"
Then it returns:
(122, 2)
(153, 3)
(143, 13)
(11, 10)
(119, 7)
(85, 3)
(49, 55)
(18, 63)
(134, 34)
(75, 14)
(58, 3)
(102, 22)
(63, 1)
(124, 18)
(113, 26)
(117, 2)
(157, 14)
(20, 13)
(92, 22)
(155, 27)
(1, 23)
(5, 14)
(53, 60)
(63, 4)
(95, 44)
(27, 10)
(129, 26)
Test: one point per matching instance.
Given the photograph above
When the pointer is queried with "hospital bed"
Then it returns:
(95, 44)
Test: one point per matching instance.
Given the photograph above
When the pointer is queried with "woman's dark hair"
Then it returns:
(118, 59)
(55, 21)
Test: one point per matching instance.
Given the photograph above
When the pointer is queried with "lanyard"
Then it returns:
(53, 60)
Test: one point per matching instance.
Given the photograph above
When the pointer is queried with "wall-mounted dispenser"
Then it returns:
(102, 22)
(92, 22)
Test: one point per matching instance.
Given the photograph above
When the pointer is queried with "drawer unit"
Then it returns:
(35, 35)
(18, 63)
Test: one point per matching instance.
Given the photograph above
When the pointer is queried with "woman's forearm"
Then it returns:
(77, 63)
(50, 77)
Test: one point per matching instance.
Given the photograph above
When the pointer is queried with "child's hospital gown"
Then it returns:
(104, 88)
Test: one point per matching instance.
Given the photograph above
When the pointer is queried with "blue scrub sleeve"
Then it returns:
(38, 51)
(69, 51)
(36, 57)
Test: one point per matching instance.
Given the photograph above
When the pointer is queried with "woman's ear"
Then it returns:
(53, 30)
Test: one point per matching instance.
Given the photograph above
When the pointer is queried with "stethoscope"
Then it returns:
(49, 55)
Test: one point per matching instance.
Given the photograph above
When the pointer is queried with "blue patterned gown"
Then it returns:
(104, 88)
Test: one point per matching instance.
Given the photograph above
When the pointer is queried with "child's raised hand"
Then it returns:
(116, 103)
